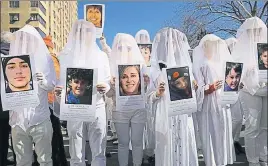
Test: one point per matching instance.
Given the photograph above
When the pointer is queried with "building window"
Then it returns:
(13, 17)
(34, 3)
(14, 4)
(40, 32)
(13, 29)
(42, 8)
(37, 17)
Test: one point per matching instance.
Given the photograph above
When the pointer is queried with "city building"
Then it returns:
(53, 18)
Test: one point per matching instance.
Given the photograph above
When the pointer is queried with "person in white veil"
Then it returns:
(236, 110)
(125, 51)
(214, 119)
(174, 136)
(142, 38)
(81, 51)
(253, 96)
(32, 125)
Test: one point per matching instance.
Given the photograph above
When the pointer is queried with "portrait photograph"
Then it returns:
(262, 56)
(17, 73)
(179, 83)
(94, 14)
(79, 86)
(146, 50)
(233, 72)
(129, 80)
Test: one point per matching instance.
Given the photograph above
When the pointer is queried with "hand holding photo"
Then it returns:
(161, 90)
(262, 56)
(79, 84)
(17, 73)
(233, 74)
(101, 88)
(129, 80)
(179, 83)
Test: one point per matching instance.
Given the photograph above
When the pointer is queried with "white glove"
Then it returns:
(41, 79)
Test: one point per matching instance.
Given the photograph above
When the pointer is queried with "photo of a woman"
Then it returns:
(17, 73)
(262, 55)
(179, 83)
(94, 15)
(129, 80)
(79, 86)
(146, 52)
(233, 74)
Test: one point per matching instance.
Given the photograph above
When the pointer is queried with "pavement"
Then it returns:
(112, 161)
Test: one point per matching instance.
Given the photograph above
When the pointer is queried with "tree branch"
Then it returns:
(263, 9)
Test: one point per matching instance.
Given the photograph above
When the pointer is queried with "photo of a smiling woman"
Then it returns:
(94, 15)
(232, 76)
(79, 86)
(17, 73)
(179, 83)
(129, 80)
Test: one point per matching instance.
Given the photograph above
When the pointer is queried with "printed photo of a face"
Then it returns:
(233, 74)
(179, 83)
(129, 80)
(79, 84)
(262, 56)
(17, 73)
(146, 50)
(94, 15)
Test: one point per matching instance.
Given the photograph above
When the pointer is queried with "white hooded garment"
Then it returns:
(253, 96)
(214, 120)
(81, 51)
(174, 136)
(28, 41)
(142, 37)
(231, 43)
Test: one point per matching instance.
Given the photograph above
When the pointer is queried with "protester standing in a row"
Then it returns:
(81, 47)
(253, 96)
(33, 125)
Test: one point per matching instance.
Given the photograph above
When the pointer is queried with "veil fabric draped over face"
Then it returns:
(142, 37)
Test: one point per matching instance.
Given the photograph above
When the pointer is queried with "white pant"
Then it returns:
(23, 141)
(237, 119)
(122, 130)
(96, 132)
(197, 134)
(256, 147)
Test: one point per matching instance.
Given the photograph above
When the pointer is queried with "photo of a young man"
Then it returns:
(233, 74)
(146, 50)
(179, 83)
(17, 73)
(129, 80)
(79, 84)
(262, 56)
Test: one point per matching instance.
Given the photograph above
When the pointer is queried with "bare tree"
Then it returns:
(218, 17)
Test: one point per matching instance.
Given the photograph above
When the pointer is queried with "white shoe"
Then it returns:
(115, 142)
(254, 164)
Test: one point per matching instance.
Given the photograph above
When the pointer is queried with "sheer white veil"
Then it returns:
(27, 40)
(214, 47)
(125, 51)
(170, 47)
(251, 32)
(231, 43)
(142, 37)
(80, 50)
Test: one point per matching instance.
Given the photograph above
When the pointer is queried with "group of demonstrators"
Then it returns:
(159, 103)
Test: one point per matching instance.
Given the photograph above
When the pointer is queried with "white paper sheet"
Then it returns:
(19, 75)
(84, 109)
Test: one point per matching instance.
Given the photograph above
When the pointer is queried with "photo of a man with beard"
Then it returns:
(233, 74)
(79, 86)
(179, 83)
